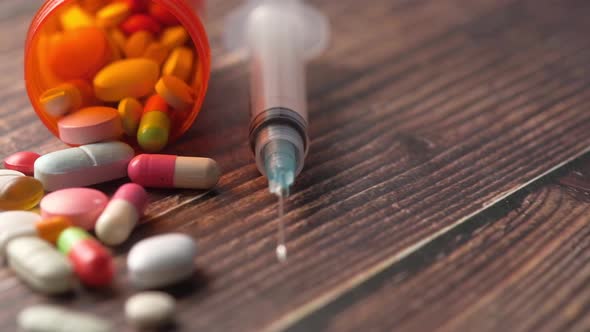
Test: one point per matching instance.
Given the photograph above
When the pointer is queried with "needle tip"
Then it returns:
(281, 253)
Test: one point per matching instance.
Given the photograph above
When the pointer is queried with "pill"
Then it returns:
(39, 265)
(179, 63)
(174, 37)
(15, 224)
(75, 17)
(137, 44)
(118, 37)
(113, 14)
(19, 192)
(81, 206)
(90, 125)
(66, 51)
(51, 318)
(130, 110)
(92, 6)
(66, 98)
(83, 166)
(169, 171)
(136, 6)
(116, 52)
(176, 92)
(161, 260)
(139, 22)
(126, 78)
(160, 13)
(92, 263)
(122, 213)
(157, 52)
(154, 128)
(49, 228)
(150, 309)
(22, 161)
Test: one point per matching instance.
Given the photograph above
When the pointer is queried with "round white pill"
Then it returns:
(150, 309)
(161, 260)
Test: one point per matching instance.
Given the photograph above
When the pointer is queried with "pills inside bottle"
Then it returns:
(114, 56)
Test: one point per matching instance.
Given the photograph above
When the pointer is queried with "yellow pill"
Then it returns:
(137, 44)
(61, 100)
(157, 52)
(179, 63)
(126, 78)
(154, 130)
(118, 37)
(130, 110)
(75, 17)
(113, 14)
(176, 92)
(174, 37)
(19, 192)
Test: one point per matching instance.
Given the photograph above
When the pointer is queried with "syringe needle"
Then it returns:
(281, 250)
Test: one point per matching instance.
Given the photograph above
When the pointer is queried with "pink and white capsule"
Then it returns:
(122, 214)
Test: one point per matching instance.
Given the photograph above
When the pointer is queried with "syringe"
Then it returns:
(279, 36)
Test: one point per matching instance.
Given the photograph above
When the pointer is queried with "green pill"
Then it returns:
(69, 237)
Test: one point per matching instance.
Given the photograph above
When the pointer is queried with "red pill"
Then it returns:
(136, 6)
(23, 162)
(141, 22)
(162, 14)
(156, 103)
(92, 262)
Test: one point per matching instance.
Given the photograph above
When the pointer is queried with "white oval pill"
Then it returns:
(15, 224)
(150, 309)
(40, 265)
(83, 166)
(50, 318)
(161, 260)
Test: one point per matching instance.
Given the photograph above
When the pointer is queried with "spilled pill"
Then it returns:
(154, 127)
(81, 206)
(92, 263)
(50, 318)
(23, 162)
(169, 171)
(49, 228)
(134, 77)
(19, 192)
(122, 213)
(15, 224)
(130, 110)
(176, 92)
(90, 125)
(83, 166)
(150, 309)
(161, 260)
(39, 265)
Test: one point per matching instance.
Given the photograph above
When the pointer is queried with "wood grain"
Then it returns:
(422, 113)
(522, 266)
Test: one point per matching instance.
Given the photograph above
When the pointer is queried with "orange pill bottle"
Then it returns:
(48, 23)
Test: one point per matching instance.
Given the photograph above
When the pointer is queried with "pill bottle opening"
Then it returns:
(59, 22)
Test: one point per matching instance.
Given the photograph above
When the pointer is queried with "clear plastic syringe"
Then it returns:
(279, 37)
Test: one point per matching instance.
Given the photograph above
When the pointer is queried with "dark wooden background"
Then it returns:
(435, 195)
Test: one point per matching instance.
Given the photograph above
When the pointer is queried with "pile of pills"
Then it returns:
(67, 243)
(122, 69)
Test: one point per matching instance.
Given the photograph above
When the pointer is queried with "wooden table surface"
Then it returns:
(434, 197)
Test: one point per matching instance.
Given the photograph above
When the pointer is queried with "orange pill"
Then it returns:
(179, 63)
(118, 37)
(157, 52)
(75, 17)
(156, 103)
(141, 22)
(176, 92)
(138, 43)
(79, 54)
(112, 14)
(50, 228)
(174, 37)
(161, 14)
(90, 125)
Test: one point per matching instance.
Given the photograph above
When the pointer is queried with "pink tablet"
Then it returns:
(82, 206)
(22, 162)
(90, 125)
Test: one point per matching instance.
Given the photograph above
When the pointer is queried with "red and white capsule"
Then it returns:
(123, 212)
(169, 171)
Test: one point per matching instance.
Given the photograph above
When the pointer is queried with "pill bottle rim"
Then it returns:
(187, 17)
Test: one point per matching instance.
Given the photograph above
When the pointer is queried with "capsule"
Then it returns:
(92, 262)
(19, 192)
(169, 171)
(154, 128)
(83, 166)
(51, 318)
(39, 265)
(130, 110)
(121, 214)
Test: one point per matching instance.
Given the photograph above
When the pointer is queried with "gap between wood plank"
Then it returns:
(300, 313)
